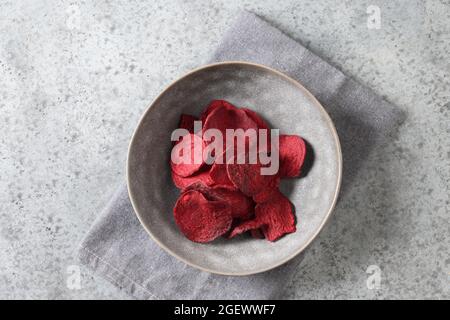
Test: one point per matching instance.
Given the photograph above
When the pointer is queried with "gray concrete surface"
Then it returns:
(75, 77)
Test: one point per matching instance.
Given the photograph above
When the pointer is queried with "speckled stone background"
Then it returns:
(75, 77)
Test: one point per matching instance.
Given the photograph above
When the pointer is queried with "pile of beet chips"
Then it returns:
(229, 199)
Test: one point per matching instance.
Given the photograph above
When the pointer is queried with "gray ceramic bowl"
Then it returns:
(287, 105)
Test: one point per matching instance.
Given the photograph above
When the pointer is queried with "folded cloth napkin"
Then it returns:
(117, 246)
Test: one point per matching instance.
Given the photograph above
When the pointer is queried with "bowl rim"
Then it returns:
(317, 104)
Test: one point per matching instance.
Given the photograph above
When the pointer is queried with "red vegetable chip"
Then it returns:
(187, 122)
(227, 116)
(183, 165)
(261, 123)
(248, 178)
(253, 224)
(199, 219)
(212, 106)
(241, 206)
(278, 215)
(219, 175)
(256, 118)
(184, 182)
(265, 195)
(275, 217)
(292, 155)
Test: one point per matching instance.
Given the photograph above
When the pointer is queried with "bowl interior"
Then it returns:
(285, 105)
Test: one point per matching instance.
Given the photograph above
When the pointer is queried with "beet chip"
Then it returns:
(219, 176)
(278, 215)
(212, 106)
(241, 206)
(184, 182)
(265, 195)
(187, 122)
(256, 118)
(187, 167)
(253, 224)
(275, 218)
(227, 116)
(292, 155)
(199, 219)
(248, 178)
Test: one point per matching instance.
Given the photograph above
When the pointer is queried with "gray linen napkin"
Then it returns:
(118, 248)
